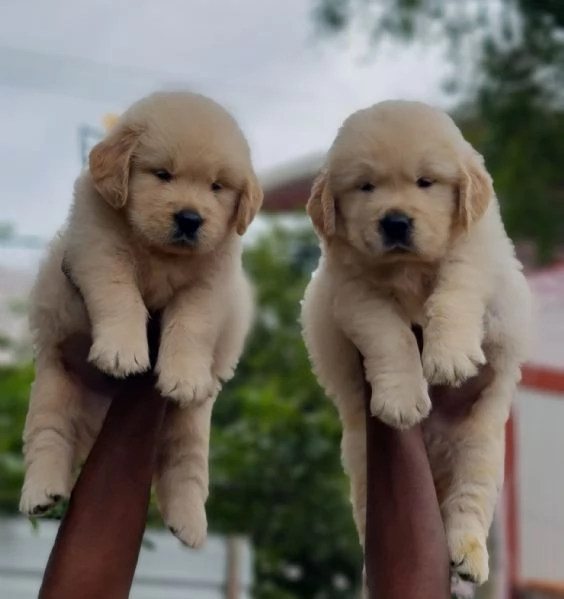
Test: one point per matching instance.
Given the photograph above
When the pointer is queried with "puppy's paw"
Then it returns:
(187, 520)
(468, 555)
(120, 353)
(224, 374)
(38, 500)
(400, 401)
(448, 363)
(188, 386)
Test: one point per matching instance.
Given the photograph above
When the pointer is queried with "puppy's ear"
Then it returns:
(321, 206)
(250, 202)
(475, 190)
(110, 162)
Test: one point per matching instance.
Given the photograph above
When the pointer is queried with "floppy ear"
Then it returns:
(110, 162)
(250, 202)
(321, 206)
(475, 191)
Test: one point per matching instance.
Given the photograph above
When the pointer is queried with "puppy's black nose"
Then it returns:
(395, 228)
(188, 222)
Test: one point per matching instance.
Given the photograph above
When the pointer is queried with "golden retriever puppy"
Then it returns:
(411, 233)
(155, 225)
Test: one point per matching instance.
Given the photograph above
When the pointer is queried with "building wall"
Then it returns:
(167, 570)
(540, 447)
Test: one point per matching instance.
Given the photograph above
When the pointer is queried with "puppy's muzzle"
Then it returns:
(187, 223)
(396, 229)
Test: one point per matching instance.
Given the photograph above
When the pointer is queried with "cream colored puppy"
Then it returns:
(411, 233)
(155, 225)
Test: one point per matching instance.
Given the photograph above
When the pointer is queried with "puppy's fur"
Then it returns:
(454, 274)
(170, 152)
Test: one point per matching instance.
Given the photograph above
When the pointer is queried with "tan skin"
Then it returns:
(97, 547)
(406, 551)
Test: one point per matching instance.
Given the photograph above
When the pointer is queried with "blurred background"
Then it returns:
(290, 72)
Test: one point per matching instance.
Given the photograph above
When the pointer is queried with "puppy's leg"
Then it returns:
(391, 357)
(181, 481)
(49, 439)
(190, 329)
(478, 443)
(454, 326)
(106, 278)
(338, 369)
(478, 450)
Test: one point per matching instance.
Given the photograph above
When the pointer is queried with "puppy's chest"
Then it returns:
(160, 280)
(411, 291)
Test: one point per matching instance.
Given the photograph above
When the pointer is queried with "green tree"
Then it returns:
(15, 381)
(275, 465)
(508, 64)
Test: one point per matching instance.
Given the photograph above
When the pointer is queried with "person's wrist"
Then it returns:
(74, 356)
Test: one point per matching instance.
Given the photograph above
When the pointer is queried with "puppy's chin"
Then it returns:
(374, 250)
(413, 255)
(187, 245)
(400, 254)
(372, 246)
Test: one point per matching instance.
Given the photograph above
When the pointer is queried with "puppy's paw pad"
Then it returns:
(186, 391)
(190, 525)
(120, 359)
(401, 408)
(469, 556)
(39, 502)
(446, 365)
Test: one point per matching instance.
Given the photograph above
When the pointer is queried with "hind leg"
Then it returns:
(49, 439)
(182, 478)
(337, 366)
(478, 446)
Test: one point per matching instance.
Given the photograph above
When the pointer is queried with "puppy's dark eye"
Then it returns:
(367, 187)
(163, 175)
(216, 186)
(424, 182)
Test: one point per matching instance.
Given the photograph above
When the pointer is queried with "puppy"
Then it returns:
(155, 225)
(411, 233)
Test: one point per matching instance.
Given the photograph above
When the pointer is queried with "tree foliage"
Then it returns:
(508, 64)
(275, 465)
(15, 381)
(275, 459)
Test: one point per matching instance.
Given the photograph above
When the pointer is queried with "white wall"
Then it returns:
(167, 571)
(540, 460)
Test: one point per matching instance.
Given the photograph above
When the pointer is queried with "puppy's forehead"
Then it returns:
(397, 136)
(188, 129)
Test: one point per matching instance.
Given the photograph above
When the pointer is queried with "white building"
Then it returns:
(166, 569)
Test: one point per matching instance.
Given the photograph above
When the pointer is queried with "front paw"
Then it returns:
(120, 352)
(187, 385)
(448, 362)
(400, 401)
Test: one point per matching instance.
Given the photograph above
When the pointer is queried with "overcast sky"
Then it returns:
(65, 63)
